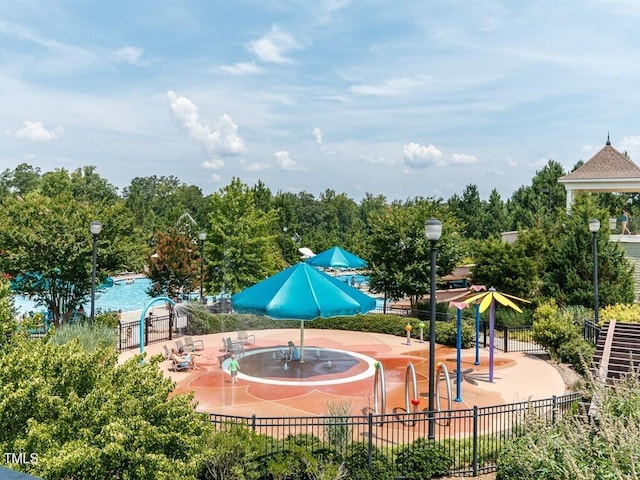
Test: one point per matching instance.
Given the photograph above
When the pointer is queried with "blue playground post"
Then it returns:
(459, 353)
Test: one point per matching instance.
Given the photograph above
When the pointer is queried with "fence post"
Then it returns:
(475, 441)
(484, 333)
(370, 440)
(553, 411)
(171, 323)
(119, 336)
(506, 339)
(253, 422)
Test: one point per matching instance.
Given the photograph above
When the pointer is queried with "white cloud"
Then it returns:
(419, 156)
(631, 145)
(272, 47)
(377, 160)
(242, 68)
(587, 149)
(285, 162)
(317, 135)
(36, 132)
(130, 55)
(223, 140)
(215, 164)
(256, 167)
(391, 87)
(463, 159)
(216, 178)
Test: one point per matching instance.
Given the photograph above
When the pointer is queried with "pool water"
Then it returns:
(354, 279)
(123, 296)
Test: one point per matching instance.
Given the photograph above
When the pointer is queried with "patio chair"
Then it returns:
(167, 352)
(234, 347)
(192, 344)
(244, 337)
(177, 367)
(182, 348)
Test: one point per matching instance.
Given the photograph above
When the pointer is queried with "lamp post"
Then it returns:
(284, 243)
(594, 228)
(433, 229)
(95, 228)
(202, 236)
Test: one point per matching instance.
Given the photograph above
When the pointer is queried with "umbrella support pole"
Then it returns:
(301, 341)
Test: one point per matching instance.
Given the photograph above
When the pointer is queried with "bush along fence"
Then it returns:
(466, 442)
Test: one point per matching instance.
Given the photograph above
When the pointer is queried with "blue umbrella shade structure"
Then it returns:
(337, 257)
(301, 292)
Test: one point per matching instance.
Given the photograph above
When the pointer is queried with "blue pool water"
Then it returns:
(354, 279)
(127, 297)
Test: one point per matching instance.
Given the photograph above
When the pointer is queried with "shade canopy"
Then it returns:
(302, 292)
(337, 257)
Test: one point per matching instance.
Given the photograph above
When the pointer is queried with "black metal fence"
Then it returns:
(590, 331)
(472, 438)
(156, 329)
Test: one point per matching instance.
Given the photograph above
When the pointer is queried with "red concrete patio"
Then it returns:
(518, 376)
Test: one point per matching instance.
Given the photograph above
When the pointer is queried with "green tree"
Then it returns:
(47, 248)
(568, 266)
(506, 267)
(175, 263)
(400, 252)
(21, 180)
(8, 325)
(87, 184)
(84, 416)
(241, 248)
(471, 212)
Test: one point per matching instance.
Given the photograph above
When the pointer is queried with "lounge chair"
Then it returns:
(192, 344)
(176, 367)
(234, 347)
(182, 348)
(167, 352)
(244, 337)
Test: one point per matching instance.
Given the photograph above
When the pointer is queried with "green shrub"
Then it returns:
(423, 459)
(235, 454)
(107, 319)
(356, 463)
(580, 447)
(577, 352)
(447, 332)
(621, 313)
(552, 329)
(337, 425)
(511, 318)
(90, 337)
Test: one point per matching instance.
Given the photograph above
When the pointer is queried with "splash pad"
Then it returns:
(321, 366)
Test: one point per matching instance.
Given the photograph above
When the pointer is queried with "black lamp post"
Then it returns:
(594, 228)
(95, 228)
(284, 243)
(202, 236)
(433, 229)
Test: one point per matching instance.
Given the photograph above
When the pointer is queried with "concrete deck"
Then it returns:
(517, 376)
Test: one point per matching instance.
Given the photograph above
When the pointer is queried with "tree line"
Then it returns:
(252, 232)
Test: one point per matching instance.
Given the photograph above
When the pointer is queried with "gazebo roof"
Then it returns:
(608, 163)
(607, 171)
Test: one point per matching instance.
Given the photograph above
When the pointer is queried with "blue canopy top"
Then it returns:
(337, 257)
(302, 292)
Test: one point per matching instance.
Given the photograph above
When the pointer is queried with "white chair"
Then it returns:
(244, 337)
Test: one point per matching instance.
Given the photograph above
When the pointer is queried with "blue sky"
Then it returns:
(404, 99)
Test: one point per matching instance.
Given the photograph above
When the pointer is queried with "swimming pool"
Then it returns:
(354, 279)
(123, 296)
